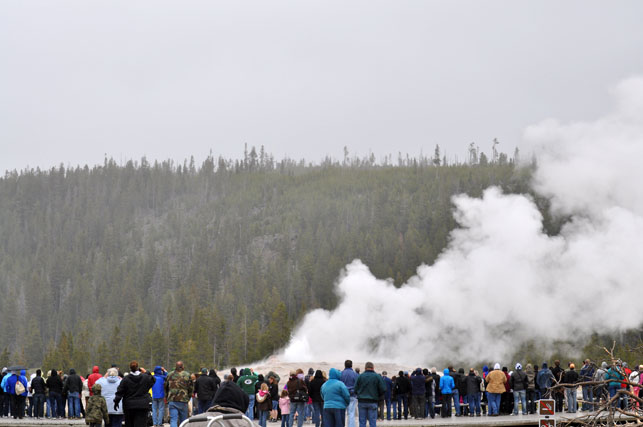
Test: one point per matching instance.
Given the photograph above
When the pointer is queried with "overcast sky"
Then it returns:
(81, 79)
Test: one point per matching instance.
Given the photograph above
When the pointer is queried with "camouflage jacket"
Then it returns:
(178, 387)
(96, 410)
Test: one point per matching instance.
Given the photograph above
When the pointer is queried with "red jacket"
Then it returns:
(91, 380)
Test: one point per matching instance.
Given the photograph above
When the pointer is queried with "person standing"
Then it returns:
(134, 390)
(264, 403)
(336, 398)
(558, 394)
(472, 382)
(496, 381)
(586, 374)
(447, 384)
(349, 377)
(418, 394)
(247, 382)
(387, 396)
(55, 399)
(402, 390)
(298, 395)
(158, 395)
(571, 377)
(314, 390)
(96, 408)
(72, 387)
(205, 389)
(16, 387)
(38, 389)
(178, 389)
(109, 385)
(368, 389)
(518, 383)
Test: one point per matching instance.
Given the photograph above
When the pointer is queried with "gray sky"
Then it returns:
(81, 79)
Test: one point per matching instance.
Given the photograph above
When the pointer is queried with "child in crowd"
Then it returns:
(96, 410)
(284, 405)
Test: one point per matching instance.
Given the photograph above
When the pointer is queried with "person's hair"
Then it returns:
(369, 365)
(348, 364)
(38, 372)
(179, 366)
(112, 372)
(264, 386)
(557, 362)
(133, 366)
(284, 393)
(300, 371)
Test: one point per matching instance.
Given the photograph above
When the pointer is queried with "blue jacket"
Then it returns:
(349, 378)
(109, 387)
(158, 392)
(389, 387)
(446, 383)
(10, 386)
(334, 392)
(418, 386)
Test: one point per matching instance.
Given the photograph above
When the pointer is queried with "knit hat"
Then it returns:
(204, 371)
(496, 366)
(518, 366)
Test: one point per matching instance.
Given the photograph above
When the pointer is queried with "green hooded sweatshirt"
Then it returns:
(247, 381)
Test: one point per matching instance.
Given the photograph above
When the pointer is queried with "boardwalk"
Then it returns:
(507, 420)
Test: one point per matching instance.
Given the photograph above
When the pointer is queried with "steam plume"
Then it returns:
(502, 280)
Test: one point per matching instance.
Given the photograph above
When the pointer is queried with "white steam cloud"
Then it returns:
(502, 280)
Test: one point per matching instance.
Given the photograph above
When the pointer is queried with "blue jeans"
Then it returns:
(263, 417)
(387, 402)
(284, 420)
(178, 413)
(251, 406)
(317, 412)
(474, 403)
(394, 403)
(56, 404)
(334, 417)
(300, 409)
(429, 409)
(456, 401)
(350, 411)
(204, 405)
(116, 420)
(367, 411)
(38, 401)
(494, 403)
(588, 398)
(73, 402)
(158, 410)
(520, 396)
(404, 402)
(572, 403)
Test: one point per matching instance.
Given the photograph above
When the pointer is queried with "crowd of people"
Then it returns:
(330, 399)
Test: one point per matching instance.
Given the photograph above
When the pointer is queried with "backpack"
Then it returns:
(20, 387)
(300, 396)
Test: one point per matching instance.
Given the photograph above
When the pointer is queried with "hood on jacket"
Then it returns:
(334, 374)
(23, 372)
(113, 378)
(72, 371)
(418, 371)
(54, 373)
(319, 374)
(496, 366)
(95, 370)
(245, 371)
(446, 372)
(158, 370)
(96, 389)
(529, 367)
(461, 371)
(518, 367)
(604, 365)
(544, 365)
(311, 371)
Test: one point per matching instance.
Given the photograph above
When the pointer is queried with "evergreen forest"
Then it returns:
(213, 263)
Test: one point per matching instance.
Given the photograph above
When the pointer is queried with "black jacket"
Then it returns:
(570, 377)
(436, 381)
(274, 391)
(314, 390)
(134, 391)
(205, 387)
(402, 385)
(460, 382)
(472, 382)
(230, 395)
(55, 384)
(38, 385)
(518, 380)
(73, 383)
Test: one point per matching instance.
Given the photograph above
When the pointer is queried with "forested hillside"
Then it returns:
(211, 263)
